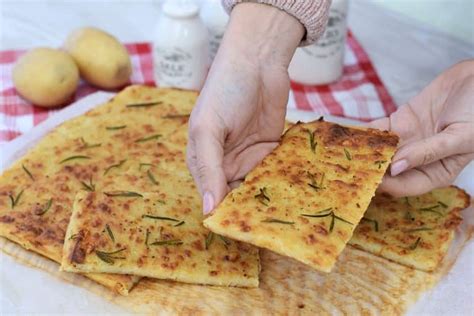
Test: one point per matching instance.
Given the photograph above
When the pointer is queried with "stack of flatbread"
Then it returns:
(108, 195)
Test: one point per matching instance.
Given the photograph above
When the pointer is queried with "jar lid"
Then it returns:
(180, 9)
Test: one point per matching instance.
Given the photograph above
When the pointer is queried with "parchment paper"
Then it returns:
(25, 287)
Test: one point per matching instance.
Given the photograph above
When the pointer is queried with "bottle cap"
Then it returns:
(180, 9)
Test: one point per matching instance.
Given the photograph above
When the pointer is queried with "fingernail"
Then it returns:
(208, 203)
(398, 167)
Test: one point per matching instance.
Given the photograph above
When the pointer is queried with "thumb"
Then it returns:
(204, 157)
(428, 150)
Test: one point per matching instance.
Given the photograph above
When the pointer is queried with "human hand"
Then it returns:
(240, 113)
(436, 130)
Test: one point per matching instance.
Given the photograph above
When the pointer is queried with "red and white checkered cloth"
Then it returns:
(360, 94)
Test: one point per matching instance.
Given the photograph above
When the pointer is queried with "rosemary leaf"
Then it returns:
(151, 177)
(348, 154)
(415, 244)
(109, 231)
(118, 165)
(278, 221)
(171, 242)
(108, 257)
(262, 197)
(76, 157)
(122, 194)
(147, 236)
(312, 143)
(28, 172)
(333, 220)
(174, 116)
(442, 204)
(163, 218)
(376, 224)
(88, 186)
(407, 202)
(431, 209)
(327, 212)
(14, 200)
(143, 105)
(209, 239)
(161, 202)
(413, 230)
(225, 241)
(86, 145)
(45, 208)
(409, 216)
(145, 139)
(179, 224)
(114, 128)
(342, 219)
(73, 236)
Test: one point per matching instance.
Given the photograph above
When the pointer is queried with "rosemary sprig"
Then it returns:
(28, 172)
(147, 236)
(117, 165)
(442, 204)
(122, 194)
(143, 105)
(45, 208)
(151, 177)
(263, 197)
(88, 186)
(87, 145)
(420, 229)
(179, 224)
(328, 212)
(15, 200)
(314, 184)
(170, 242)
(312, 143)
(431, 209)
(415, 244)
(380, 163)
(278, 221)
(108, 257)
(114, 128)
(76, 157)
(174, 116)
(109, 231)
(163, 218)
(145, 139)
(376, 224)
(348, 154)
(209, 239)
(144, 164)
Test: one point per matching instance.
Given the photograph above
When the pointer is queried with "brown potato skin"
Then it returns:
(46, 77)
(102, 60)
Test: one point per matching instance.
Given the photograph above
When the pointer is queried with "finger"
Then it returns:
(204, 157)
(428, 150)
(235, 184)
(381, 124)
(426, 178)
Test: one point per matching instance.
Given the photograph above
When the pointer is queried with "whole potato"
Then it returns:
(102, 59)
(46, 77)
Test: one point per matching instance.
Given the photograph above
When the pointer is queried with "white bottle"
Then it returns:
(180, 48)
(215, 18)
(323, 61)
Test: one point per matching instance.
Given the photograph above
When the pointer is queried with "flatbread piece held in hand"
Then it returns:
(305, 199)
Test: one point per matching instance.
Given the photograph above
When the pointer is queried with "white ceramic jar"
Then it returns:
(180, 48)
(323, 61)
(215, 18)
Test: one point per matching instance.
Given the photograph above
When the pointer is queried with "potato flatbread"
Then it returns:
(305, 198)
(37, 192)
(414, 231)
(157, 235)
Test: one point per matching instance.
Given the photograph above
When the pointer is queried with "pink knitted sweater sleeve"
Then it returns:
(313, 14)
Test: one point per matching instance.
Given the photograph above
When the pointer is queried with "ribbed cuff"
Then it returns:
(313, 14)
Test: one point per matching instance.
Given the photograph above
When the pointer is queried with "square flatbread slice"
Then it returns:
(306, 197)
(37, 192)
(158, 235)
(414, 231)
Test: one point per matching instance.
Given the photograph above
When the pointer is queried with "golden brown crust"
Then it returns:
(305, 197)
(415, 231)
